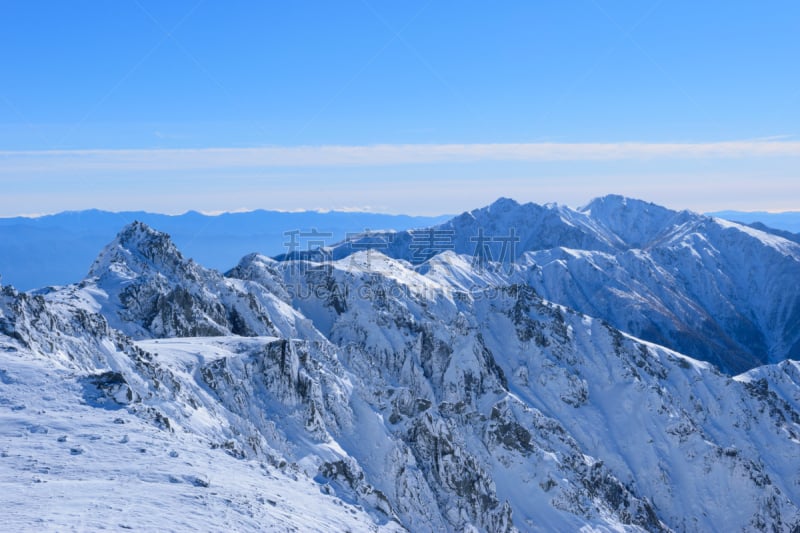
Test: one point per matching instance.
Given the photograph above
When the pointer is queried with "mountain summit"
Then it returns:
(139, 248)
(636, 223)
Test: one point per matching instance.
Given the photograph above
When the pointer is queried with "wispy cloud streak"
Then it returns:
(379, 155)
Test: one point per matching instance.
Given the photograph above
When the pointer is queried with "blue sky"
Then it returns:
(418, 107)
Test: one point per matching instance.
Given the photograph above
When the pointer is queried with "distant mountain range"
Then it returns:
(59, 249)
(787, 221)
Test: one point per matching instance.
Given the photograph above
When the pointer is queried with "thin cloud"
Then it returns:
(378, 155)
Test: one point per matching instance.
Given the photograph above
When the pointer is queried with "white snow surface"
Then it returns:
(70, 462)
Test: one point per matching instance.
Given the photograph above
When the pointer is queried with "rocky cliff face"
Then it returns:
(520, 380)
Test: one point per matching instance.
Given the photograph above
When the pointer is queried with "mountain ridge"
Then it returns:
(684, 269)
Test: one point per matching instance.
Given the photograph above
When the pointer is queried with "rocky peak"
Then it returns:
(503, 205)
(139, 247)
(636, 222)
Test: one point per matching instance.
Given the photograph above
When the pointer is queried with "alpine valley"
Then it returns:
(618, 367)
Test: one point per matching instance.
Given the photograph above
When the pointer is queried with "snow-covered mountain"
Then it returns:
(145, 288)
(716, 290)
(519, 382)
(379, 393)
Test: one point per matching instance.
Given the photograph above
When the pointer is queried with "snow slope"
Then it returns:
(98, 434)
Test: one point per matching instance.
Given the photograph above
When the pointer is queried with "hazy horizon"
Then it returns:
(344, 210)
